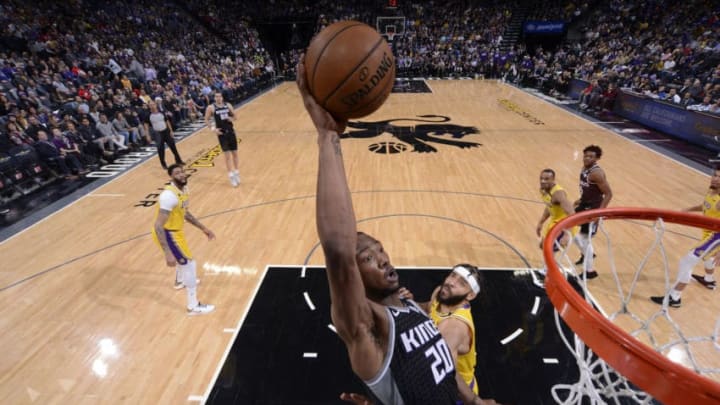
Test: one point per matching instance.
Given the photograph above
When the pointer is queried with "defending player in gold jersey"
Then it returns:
(557, 207)
(707, 250)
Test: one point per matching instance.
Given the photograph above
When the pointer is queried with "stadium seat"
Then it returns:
(35, 172)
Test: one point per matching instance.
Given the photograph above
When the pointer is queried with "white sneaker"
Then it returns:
(201, 309)
(233, 181)
(237, 177)
(179, 285)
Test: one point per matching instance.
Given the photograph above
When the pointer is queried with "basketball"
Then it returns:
(350, 69)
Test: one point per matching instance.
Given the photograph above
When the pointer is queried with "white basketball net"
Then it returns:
(598, 382)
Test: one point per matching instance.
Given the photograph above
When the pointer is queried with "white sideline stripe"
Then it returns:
(536, 305)
(309, 355)
(611, 132)
(309, 302)
(512, 336)
(106, 195)
(232, 340)
(653, 140)
(550, 361)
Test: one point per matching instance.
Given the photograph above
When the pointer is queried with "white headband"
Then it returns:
(465, 273)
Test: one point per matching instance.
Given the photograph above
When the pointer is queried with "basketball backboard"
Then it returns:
(390, 26)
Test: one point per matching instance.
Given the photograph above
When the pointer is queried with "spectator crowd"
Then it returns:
(79, 79)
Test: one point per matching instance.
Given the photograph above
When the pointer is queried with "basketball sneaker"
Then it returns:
(671, 302)
(710, 285)
(179, 285)
(590, 274)
(201, 309)
(582, 259)
(234, 181)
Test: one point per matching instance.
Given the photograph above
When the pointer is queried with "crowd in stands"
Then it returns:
(658, 48)
(78, 79)
(558, 10)
(661, 49)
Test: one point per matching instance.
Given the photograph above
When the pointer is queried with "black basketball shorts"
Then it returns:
(228, 141)
(589, 228)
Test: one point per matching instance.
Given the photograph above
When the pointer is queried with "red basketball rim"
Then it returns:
(665, 380)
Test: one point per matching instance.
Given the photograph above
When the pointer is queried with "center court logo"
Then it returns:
(432, 130)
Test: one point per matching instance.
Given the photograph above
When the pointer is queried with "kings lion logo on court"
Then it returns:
(433, 130)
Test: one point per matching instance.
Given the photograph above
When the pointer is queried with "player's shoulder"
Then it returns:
(169, 193)
(597, 171)
(557, 190)
(168, 199)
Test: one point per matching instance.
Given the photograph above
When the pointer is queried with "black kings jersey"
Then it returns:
(418, 368)
(590, 194)
(222, 118)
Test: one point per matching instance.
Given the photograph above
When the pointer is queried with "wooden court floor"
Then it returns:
(89, 314)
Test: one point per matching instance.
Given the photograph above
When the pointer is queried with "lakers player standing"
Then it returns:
(449, 308)
(219, 117)
(557, 207)
(707, 251)
(393, 347)
(168, 233)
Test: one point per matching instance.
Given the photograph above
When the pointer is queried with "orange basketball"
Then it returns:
(350, 69)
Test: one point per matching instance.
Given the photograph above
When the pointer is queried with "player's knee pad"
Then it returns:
(685, 267)
(189, 274)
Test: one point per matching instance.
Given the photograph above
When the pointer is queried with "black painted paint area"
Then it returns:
(266, 363)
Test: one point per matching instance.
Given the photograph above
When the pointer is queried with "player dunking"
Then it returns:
(595, 193)
(168, 233)
(394, 348)
(449, 308)
(708, 250)
(219, 117)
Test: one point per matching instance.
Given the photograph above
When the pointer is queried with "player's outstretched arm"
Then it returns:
(545, 215)
(560, 197)
(457, 335)
(209, 121)
(351, 311)
(196, 222)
